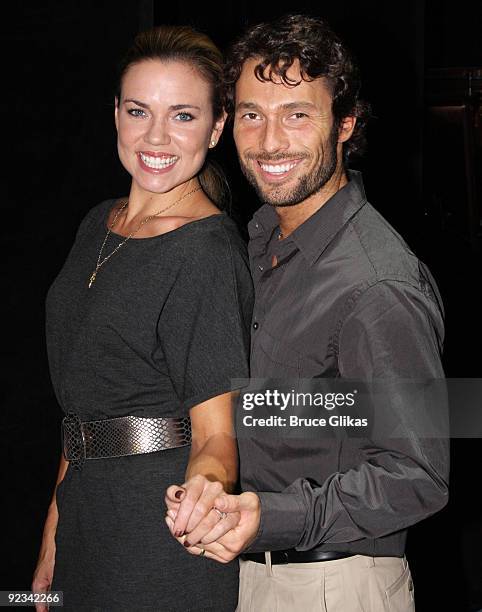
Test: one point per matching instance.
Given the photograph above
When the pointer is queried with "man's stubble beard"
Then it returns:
(306, 186)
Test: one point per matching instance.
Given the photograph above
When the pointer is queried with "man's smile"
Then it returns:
(277, 170)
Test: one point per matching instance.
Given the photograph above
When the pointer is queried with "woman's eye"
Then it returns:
(136, 112)
(184, 116)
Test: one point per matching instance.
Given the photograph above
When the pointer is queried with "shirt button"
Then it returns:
(255, 325)
(261, 268)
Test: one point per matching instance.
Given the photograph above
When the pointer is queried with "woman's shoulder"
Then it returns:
(216, 236)
(215, 228)
(100, 210)
(96, 214)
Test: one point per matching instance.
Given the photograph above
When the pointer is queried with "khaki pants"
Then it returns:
(354, 584)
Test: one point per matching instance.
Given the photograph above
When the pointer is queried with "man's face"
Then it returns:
(287, 142)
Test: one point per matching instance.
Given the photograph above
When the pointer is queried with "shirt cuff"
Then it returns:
(282, 523)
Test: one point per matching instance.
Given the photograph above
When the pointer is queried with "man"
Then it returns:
(338, 295)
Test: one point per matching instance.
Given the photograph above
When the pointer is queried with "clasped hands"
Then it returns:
(207, 521)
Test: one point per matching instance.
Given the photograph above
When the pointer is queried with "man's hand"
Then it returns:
(226, 548)
(191, 510)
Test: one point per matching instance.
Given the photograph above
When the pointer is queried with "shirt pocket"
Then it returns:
(274, 358)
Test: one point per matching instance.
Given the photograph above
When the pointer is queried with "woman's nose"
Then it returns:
(157, 132)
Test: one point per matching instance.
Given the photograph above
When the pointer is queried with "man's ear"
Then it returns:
(345, 129)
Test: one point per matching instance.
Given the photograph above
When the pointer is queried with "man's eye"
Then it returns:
(299, 115)
(136, 112)
(251, 116)
(184, 116)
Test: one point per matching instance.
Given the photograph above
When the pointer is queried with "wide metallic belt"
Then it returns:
(121, 436)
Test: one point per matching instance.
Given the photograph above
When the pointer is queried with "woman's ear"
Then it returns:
(217, 130)
(116, 112)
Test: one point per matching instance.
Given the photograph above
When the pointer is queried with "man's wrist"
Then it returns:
(281, 522)
(256, 519)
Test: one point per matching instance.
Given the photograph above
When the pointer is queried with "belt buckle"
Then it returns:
(284, 557)
(280, 557)
(73, 439)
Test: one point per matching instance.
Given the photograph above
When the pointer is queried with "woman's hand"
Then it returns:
(227, 546)
(172, 500)
(191, 511)
(44, 571)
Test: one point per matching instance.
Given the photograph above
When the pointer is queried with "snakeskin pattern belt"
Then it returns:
(121, 436)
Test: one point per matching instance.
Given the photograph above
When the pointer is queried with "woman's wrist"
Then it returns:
(214, 465)
(213, 473)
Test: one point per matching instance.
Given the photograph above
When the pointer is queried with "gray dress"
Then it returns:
(164, 327)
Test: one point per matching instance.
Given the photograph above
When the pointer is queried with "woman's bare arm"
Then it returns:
(43, 574)
(214, 453)
(213, 464)
(52, 516)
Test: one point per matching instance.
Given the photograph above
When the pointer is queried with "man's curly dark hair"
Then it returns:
(320, 52)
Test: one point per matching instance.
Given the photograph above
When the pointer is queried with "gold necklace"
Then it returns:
(143, 222)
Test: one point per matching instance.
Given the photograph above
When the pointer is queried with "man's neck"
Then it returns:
(291, 217)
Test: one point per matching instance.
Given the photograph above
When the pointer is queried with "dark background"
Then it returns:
(60, 160)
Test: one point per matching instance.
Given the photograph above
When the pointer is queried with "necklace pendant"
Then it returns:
(92, 278)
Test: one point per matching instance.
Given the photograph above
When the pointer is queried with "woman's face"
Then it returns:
(164, 123)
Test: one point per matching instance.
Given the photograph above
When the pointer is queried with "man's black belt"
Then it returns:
(295, 556)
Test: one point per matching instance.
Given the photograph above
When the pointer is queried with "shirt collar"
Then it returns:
(314, 235)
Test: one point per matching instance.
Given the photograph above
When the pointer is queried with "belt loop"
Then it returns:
(267, 558)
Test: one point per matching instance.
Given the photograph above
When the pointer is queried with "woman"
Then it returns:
(148, 318)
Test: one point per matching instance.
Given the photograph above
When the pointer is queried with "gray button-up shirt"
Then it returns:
(346, 299)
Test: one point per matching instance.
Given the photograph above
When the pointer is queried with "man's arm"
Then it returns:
(393, 333)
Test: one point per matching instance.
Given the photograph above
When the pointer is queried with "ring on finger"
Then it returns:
(222, 515)
(203, 552)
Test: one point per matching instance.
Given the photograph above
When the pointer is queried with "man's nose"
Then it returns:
(274, 137)
(157, 132)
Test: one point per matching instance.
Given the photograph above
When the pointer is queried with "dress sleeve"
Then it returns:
(393, 333)
(204, 324)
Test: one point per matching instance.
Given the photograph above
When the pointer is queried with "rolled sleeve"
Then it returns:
(282, 524)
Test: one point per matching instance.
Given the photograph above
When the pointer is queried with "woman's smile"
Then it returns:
(157, 163)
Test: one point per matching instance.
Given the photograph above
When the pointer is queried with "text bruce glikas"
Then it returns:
(277, 399)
